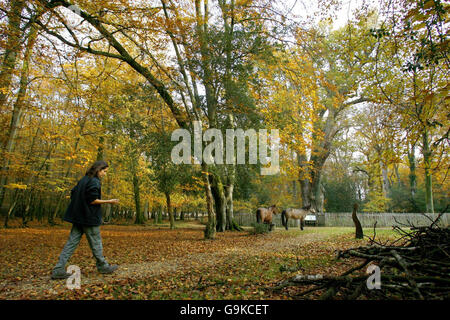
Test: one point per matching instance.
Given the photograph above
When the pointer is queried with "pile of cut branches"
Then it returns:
(414, 266)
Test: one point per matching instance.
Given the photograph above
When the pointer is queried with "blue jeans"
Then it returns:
(94, 240)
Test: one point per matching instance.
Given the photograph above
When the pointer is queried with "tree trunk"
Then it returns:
(310, 183)
(294, 189)
(231, 224)
(146, 210)
(8, 214)
(412, 175)
(229, 206)
(152, 214)
(210, 230)
(28, 199)
(385, 183)
(428, 174)
(201, 33)
(158, 215)
(219, 201)
(397, 175)
(12, 49)
(305, 188)
(137, 199)
(358, 229)
(170, 211)
(316, 192)
(18, 108)
(228, 21)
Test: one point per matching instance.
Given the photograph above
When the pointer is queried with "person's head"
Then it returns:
(98, 169)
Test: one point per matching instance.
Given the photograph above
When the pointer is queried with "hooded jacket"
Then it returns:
(80, 209)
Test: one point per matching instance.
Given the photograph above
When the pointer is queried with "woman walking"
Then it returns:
(84, 212)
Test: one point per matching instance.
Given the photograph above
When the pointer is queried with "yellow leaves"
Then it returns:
(59, 189)
(4, 90)
(241, 3)
(16, 186)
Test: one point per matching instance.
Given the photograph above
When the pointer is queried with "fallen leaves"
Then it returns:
(157, 263)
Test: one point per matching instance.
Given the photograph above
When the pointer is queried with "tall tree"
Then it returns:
(12, 50)
(411, 72)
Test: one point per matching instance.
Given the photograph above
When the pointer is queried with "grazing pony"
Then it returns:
(264, 215)
(292, 213)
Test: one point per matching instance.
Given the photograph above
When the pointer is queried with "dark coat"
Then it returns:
(80, 209)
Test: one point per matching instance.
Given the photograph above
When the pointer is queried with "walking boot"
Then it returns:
(108, 268)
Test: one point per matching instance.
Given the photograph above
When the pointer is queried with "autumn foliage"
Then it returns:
(361, 108)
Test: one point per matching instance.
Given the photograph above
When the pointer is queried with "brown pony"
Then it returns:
(296, 214)
(264, 215)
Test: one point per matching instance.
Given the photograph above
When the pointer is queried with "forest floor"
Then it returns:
(158, 263)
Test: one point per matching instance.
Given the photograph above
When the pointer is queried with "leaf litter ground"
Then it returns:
(158, 263)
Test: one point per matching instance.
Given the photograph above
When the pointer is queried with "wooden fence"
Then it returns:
(344, 219)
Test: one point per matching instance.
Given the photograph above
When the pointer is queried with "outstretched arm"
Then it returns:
(112, 201)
